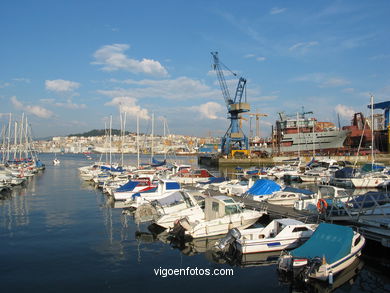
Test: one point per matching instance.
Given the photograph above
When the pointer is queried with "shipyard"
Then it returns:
(158, 146)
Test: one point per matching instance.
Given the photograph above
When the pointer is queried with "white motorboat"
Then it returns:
(164, 188)
(192, 176)
(165, 211)
(278, 235)
(126, 191)
(331, 249)
(289, 195)
(56, 162)
(221, 214)
(316, 202)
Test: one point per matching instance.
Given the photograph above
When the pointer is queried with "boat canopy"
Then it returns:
(372, 168)
(329, 240)
(156, 163)
(298, 190)
(172, 185)
(170, 199)
(263, 187)
(129, 186)
(346, 172)
(214, 180)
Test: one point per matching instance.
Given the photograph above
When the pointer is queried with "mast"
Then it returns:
(299, 143)
(110, 139)
(372, 131)
(152, 149)
(138, 141)
(9, 135)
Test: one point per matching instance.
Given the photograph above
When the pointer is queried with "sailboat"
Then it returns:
(56, 161)
(376, 175)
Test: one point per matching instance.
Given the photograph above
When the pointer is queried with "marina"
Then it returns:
(79, 231)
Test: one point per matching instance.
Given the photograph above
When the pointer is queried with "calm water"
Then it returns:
(59, 234)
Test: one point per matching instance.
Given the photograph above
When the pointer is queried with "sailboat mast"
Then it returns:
(110, 139)
(152, 148)
(372, 131)
(137, 141)
(9, 135)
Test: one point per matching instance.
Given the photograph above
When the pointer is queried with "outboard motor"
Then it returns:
(224, 243)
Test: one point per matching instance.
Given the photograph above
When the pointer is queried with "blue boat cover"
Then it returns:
(298, 190)
(372, 167)
(250, 172)
(214, 180)
(263, 187)
(172, 185)
(129, 186)
(346, 172)
(329, 240)
(368, 199)
(156, 163)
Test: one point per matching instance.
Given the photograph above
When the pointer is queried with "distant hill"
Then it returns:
(99, 132)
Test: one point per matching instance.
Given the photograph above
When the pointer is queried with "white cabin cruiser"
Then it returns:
(289, 195)
(278, 235)
(165, 211)
(164, 188)
(221, 214)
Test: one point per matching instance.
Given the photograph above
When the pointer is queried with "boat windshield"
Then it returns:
(232, 209)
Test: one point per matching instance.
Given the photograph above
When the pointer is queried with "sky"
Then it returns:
(70, 65)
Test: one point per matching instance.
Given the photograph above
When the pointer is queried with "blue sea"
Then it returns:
(60, 234)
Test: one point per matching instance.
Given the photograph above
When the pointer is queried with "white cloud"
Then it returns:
(35, 110)
(4, 84)
(322, 80)
(334, 82)
(182, 88)
(112, 58)
(303, 47)
(129, 105)
(345, 111)
(277, 10)
(348, 90)
(60, 85)
(69, 104)
(209, 110)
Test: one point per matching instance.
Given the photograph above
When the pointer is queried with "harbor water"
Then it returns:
(60, 234)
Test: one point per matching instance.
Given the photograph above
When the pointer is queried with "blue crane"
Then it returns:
(234, 138)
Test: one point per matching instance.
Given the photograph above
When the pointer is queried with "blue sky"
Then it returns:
(70, 64)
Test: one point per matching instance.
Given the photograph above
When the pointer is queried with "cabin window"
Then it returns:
(232, 209)
(215, 206)
(291, 195)
(300, 229)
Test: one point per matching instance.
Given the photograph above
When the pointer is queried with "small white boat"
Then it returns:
(163, 189)
(221, 214)
(278, 235)
(56, 162)
(289, 195)
(165, 211)
(331, 249)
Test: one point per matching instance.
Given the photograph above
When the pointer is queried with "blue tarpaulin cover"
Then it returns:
(346, 172)
(172, 185)
(129, 186)
(372, 167)
(263, 187)
(156, 163)
(214, 180)
(329, 240)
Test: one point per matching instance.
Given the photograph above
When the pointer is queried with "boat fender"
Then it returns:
(322, 205)
(330, 279)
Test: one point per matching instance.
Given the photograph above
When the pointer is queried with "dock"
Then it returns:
(215, 160)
